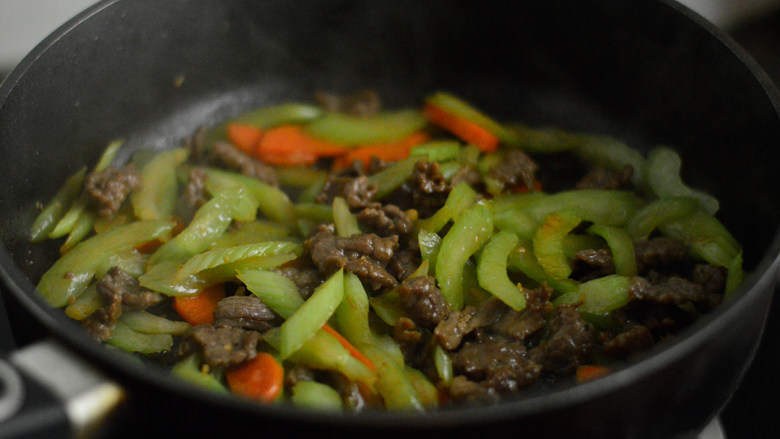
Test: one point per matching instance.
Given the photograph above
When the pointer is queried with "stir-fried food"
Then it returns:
(340, 255)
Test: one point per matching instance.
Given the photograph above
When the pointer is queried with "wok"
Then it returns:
(647, 72)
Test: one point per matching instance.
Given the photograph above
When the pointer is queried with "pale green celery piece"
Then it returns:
(548, 243)
(209, 223)
(300, 176)
(461, 197)
(321, 213)
(392, 382)
(346, 222)
(430, 243)
(344, 129)
(598, 296)
(309, 193)
(608, 207)
(69, 220)
(81, 229)
(392, 177)
(492, 270)
(467, 235)
(574, 243)
(515, 220)
(148, 323)
(246, 232)
(156, 199)
(187, 369)
(543, 140)
(130, 340)
(522, 259)
(426, 390)
(386, 307)
(83, 306)
(71, 274)
(268, 117)
(612, 154)
(658, 212)
(443, 362)
(131, 261)
(315, 395)
(518, 202)
(109, 155)
(312, 315)
(455, 105)
(706, 235)
(48, 218)
(662, 175)
(214, 258)
(352, 313)
(437, 151)
(449, 169)
(620, 245)
(273, 202)
(160, 277)
(435, 222)
(273, 289)
(324, 351)
(735, 276)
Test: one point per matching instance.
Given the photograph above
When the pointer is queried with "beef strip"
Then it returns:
(229, 156)
(357, 191)
(385, 220)
(422, 301)
(365, 254)
(429, 188)
(108, 189)
(246, 312)
(661, 253)
(193, 195)
(600, 177)
(591, 264)
(628, 342)
(515, 170)
(119, 292)
(568, 344)
(306, 277)
(221, 346)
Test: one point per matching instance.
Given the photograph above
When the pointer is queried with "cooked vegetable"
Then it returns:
(387, 259)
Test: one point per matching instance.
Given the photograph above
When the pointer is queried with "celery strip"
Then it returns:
(707, 236)
(437, 151)
(246, 232)
(130, 340)
(662, 176)
(315, 395)
(48, 218)
(346, 223)
(658, 212)
(273, 202)
(188, 370)
(347, 130)
(278, 292)
(156, 199)
(221, 256)
(148, 323)
(523, 259)
(71, 274)
(312, 315)
(621, 246)
(455, 105)
(612, 154)
(492, 270)
(548, 243)
(467, 235)
(392, 177)
(598, 296)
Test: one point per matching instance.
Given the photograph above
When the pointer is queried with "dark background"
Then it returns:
(752, 411)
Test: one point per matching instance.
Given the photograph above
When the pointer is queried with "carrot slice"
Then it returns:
(387, 152)
(199, 308)
(349, 346)
(290, 145)
(591, 372)
(245, 137)
(464, 129)
(260, 378)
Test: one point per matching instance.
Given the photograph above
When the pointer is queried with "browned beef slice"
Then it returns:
(246, 312)
(357, 191)
(221, 346)
(385, 220)
(119, 292)
(405, 261)
(422, 300)
(429, 188)
(500, 363)
(233, 158)
(305, 277)
(569, 343)
(108, 189)
(604, 178)
(667, 290)
(194, 193)
(592, 263)
(517, 169)
(660, 253)
(366, 255)
(634, 340)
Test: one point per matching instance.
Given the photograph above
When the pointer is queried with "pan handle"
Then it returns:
(47, 391)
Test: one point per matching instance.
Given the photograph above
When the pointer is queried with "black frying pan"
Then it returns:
(645, 71)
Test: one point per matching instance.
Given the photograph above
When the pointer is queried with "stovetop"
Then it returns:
(748, 414)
